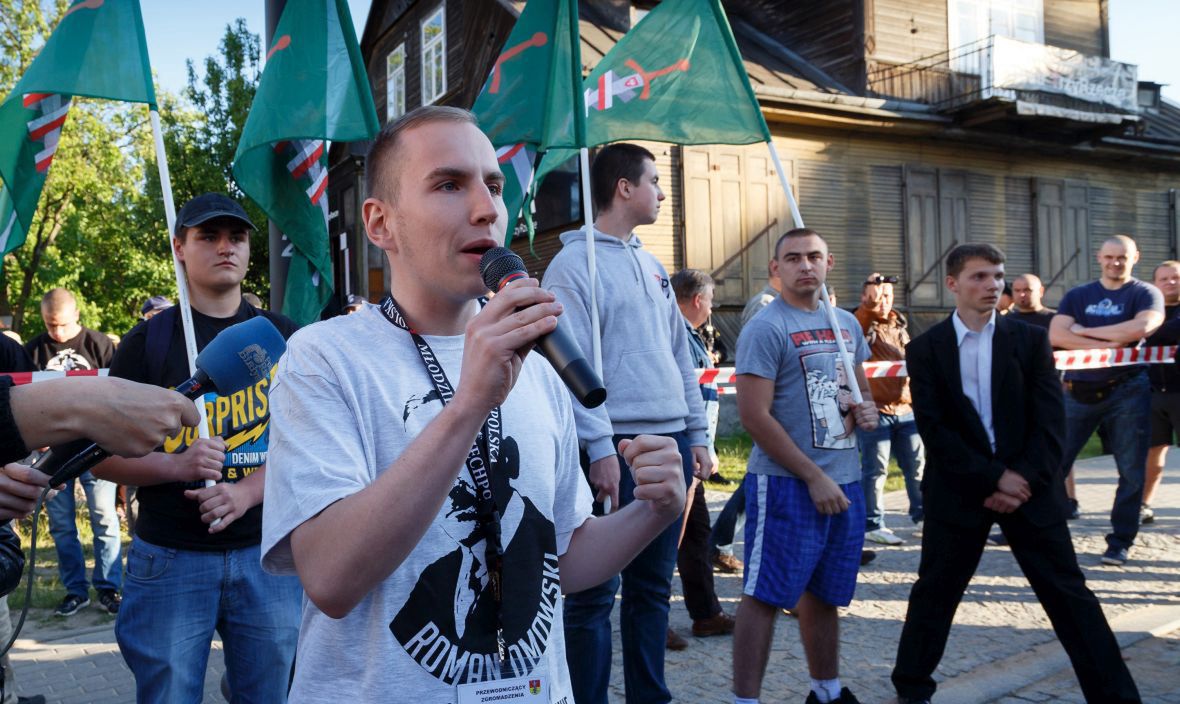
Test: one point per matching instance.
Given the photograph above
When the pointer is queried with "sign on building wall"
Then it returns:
(1026, 66)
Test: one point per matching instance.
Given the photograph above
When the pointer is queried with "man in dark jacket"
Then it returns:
(988, 404)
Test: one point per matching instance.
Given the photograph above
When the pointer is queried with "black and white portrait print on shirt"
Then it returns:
(448, 623)
(830, 399)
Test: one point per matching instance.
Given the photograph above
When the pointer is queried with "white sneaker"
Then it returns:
(883, 536)
(918, 529)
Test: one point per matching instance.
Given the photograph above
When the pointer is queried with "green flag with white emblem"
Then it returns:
(525, 105)
(676, 77)
(313, 90)
(97, 50)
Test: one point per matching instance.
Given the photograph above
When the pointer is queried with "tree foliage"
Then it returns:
(100, 228)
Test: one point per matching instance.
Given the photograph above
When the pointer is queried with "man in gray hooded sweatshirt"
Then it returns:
(652, 389)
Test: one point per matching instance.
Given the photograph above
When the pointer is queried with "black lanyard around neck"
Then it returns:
(484, 455)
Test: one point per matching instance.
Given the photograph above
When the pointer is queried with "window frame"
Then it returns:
(435, 45)
(395, 84)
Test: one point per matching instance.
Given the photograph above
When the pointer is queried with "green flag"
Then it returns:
(97, 50)
(313, 89)
(676, 77)
(525, 105)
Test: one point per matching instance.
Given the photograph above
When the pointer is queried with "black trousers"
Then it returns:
(692, 560)
(950, 556)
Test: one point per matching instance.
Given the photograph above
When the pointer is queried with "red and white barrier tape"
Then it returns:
(19, 378)
(723, 376)
(1066, 360)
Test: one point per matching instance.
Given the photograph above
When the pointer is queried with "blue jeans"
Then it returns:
(173, 602)
(104, 522)
(898, 434)
(647, 587)
(1127, 410)
(726, 524)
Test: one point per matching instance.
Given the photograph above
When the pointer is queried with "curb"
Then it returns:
(27, 642)
(997, 679)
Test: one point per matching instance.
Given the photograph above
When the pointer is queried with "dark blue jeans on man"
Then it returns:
(175, 600)
(896, 435)
(104, 524)
(643, 613)
(1127, 410)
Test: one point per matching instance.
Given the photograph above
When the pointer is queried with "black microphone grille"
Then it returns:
(497, 263)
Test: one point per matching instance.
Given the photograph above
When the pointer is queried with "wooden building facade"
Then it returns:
(899, 122)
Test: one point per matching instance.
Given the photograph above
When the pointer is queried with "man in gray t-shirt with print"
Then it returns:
(805, 508)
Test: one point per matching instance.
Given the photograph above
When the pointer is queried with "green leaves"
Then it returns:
(99, 227)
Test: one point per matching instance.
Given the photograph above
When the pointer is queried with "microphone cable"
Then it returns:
(30, 565)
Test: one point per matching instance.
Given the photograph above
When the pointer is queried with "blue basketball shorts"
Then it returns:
(791, 547)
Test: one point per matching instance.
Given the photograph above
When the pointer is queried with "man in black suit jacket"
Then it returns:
(988, 404)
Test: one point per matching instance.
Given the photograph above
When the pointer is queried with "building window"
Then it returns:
(971, 21)
(434, 56)
(395, 83)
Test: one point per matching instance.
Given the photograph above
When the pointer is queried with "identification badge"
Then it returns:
(518, 689)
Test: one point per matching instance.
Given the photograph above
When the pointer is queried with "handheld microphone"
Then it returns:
(501, 265)
(239, 357)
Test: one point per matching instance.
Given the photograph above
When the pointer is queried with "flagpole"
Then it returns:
(186, 311)
(591, 263)
(825, 301)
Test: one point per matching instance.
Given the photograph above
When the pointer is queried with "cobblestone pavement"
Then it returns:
(1155, 663)
(999, 619)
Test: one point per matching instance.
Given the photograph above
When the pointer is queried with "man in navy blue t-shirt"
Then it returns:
(1114, 311)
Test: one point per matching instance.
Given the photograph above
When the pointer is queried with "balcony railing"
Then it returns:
(1039, 79)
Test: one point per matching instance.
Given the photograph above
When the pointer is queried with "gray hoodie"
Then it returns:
(646, 359)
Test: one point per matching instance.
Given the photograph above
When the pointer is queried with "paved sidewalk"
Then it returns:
(1001, 648)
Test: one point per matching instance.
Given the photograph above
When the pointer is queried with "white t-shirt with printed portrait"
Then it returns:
(348, 397)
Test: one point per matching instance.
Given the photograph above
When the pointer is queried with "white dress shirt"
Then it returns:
(975, 369)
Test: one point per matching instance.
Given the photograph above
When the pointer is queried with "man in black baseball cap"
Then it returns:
(215, 569)
(209, 206)
(154, 305)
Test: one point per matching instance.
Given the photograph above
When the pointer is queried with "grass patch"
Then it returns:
(48, 590)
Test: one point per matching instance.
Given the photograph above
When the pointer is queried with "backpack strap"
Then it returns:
(158, 342)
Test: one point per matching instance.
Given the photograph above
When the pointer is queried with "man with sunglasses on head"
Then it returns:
(886, 334)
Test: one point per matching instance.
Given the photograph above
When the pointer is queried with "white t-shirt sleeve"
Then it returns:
(571, 494)
(311, 464)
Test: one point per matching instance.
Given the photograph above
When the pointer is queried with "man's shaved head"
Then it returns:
(382, 164)
(57, 300)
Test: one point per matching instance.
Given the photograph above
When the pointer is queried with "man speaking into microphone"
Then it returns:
(424, 480)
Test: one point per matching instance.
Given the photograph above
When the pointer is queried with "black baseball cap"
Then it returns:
(155, 303)
(208, 206)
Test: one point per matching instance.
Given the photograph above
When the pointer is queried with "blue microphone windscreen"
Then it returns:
(242, 355)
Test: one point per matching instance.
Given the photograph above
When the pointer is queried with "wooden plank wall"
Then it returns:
(1075, 24)
(850, 189)
(901, 31)
(905, 30)
(825, 33)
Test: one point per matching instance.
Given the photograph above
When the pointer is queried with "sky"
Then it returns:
(178, 30)
(1142, 32)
